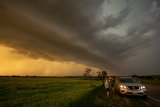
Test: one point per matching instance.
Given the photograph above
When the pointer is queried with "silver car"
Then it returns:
(130, 86)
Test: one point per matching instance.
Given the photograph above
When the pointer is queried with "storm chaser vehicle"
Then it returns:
(130, 86)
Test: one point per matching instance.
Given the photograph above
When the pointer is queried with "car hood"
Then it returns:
(131, 84)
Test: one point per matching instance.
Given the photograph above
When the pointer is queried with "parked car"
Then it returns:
(130, 86)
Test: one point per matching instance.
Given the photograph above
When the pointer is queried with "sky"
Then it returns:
(63, 37)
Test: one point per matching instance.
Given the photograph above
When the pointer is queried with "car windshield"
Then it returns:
(127, 80)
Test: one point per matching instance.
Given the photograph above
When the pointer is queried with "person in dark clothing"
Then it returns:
(112, 83)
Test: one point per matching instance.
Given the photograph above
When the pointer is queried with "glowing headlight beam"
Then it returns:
(123, 87)
(142, 87)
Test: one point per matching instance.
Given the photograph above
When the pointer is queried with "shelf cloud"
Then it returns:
(98, 33)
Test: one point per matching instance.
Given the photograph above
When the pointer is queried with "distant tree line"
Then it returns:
(101, 75)
(150, 77)
(146, 77)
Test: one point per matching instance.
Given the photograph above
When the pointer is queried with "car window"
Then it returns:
(127, 80)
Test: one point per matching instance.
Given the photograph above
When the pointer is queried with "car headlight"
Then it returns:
(142, 87)
(123, 87)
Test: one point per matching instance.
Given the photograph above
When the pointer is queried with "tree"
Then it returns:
(104, 74)
(86, 73)
(101, 75)
(135, 76)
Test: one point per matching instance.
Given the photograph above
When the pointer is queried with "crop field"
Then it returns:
(59, 92)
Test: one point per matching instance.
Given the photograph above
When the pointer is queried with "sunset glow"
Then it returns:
(12, 63)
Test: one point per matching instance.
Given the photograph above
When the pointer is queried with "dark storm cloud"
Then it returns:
(74, 30)
(21, 31)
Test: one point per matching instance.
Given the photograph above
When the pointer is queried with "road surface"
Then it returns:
(153, 94)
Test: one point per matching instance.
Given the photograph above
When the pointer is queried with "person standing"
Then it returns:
(106, 86)
(112, 83)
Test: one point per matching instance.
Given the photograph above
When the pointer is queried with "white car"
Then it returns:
(130, 86)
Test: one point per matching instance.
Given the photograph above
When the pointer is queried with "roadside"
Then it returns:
(153, 91)
(153, 94)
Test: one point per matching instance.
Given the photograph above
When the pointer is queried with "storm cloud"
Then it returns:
(93, 32)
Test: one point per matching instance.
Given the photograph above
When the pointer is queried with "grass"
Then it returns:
(151, 81)
(59, 92)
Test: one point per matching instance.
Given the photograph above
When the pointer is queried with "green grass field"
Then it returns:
(59, 92)
(151, 81)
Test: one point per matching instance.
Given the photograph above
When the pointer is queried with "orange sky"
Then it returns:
(12, 63)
